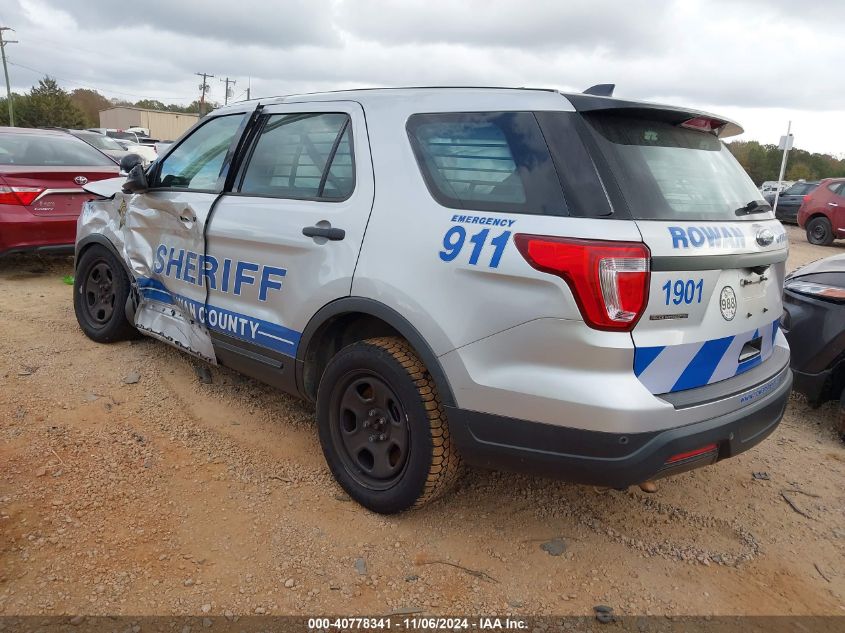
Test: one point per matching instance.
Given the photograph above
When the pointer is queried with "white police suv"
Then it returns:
(572, 284)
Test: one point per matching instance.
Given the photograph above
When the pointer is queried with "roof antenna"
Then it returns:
(600, 90)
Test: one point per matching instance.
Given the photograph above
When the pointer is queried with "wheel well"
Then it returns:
(332, 336)
(100, 240)
(814, 216)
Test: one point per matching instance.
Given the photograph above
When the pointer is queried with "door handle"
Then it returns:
(832, 204)
(329, 233)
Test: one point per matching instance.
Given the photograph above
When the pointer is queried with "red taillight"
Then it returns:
(699, 451)
(18, 195)
(805, 198)
(608, 279)
(703, 124)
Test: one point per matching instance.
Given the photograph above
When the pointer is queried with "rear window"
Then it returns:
(49, 151)
(99, 141)
(487, 161)
(667, 172)
(125, 136)
(801, 189)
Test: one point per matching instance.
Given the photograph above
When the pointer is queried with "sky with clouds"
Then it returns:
(760, 62)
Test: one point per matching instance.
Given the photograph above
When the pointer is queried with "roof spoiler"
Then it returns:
(601, 90)
(591, 102)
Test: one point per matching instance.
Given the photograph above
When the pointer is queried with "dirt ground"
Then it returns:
(173, 497)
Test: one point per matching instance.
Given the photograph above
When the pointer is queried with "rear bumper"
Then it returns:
(816, 387)
(615, 459)
(21, 231)
(787, 215)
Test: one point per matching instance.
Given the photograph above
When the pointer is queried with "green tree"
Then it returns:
(762, 162)
(17, 102)
(150, 104)
(47, 105)
(90, 102)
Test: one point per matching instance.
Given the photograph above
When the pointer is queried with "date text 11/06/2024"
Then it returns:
(418, 623)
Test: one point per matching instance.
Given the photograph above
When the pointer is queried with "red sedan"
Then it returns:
(41, 195)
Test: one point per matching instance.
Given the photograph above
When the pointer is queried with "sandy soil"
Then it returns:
(169, 496)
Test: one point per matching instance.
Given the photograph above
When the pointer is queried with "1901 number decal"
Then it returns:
(456, 237)
(684, 291)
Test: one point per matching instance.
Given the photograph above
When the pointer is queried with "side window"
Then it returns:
(487, 161)
(302, 156)
(841, 190)
(197, 162)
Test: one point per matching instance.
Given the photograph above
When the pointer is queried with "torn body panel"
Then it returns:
(155, 233)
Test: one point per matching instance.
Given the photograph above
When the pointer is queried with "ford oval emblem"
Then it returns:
(81, 180)
(765, 237)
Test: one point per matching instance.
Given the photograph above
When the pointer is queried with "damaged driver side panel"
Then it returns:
(159, 235)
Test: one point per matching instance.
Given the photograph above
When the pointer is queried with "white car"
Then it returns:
(570, 284)
(771, 186)
(147, 152)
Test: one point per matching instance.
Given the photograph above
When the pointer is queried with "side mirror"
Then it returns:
(136, 181)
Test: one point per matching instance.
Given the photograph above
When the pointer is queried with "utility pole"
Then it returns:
(248, 86)
(228, 92)
(6, 73)
(786, 145)
(204, 87)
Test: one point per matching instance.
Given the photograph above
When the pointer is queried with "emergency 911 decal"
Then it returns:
(457, 236)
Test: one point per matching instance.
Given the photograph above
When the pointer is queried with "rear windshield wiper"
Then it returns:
(753, 207)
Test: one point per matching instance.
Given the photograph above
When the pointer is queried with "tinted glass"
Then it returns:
(49, 151)
(99, 141)
(800, 189)
(292, 154)
(487, 161)
(340, 179)
(197, 162)
(667, 172)
(126, 136)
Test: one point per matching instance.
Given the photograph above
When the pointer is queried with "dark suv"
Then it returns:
(790, 200)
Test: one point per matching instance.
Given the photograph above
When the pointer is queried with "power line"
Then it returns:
(87, 87)
(204, 87)
(6, 72)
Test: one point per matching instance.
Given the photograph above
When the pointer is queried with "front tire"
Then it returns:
(382, 427)
(100, 290)
(820, 231)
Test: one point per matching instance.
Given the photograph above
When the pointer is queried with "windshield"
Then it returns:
(126, 136)
(667, 172)
(100, 141)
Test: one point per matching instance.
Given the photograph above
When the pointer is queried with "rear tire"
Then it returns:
(100, 290)
(820, 232)
(382, 427)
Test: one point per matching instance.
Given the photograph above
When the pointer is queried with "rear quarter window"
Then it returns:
(486, 161)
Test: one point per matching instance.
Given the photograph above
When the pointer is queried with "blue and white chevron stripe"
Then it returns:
(668, 368)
